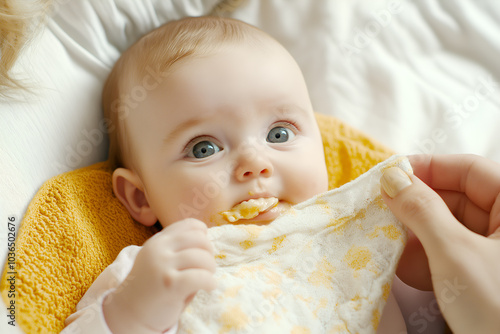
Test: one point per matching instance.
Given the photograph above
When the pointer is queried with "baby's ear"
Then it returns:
(128, 188)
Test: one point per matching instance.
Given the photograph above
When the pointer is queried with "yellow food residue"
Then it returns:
(249, 209)
(358, 257)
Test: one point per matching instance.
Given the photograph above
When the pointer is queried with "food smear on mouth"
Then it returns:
(249, 209)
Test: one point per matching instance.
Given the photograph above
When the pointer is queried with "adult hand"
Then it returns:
(453, 211)
(169, 269)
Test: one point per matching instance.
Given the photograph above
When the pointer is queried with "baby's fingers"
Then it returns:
(190, 224)
(192, 280)
(188, 233)
(195, 258)
(193, 239)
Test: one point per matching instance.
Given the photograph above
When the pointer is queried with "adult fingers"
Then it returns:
(422, 210)
(477, 177)
(466, 211)
(413, 267)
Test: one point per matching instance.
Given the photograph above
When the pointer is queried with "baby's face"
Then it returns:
(227, 128)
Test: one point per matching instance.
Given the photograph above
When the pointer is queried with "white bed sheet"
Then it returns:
(419, 76)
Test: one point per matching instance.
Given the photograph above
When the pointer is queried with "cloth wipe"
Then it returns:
(324, 267)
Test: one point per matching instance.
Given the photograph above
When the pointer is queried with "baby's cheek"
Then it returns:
(202, 201)
(310, 171)
(313, 178)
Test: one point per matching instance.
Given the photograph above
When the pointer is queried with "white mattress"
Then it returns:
(418, 76)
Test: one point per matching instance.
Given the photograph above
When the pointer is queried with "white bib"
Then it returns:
(324, 267)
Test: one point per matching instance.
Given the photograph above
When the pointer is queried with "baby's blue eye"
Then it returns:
(280, 134)
(204, 149)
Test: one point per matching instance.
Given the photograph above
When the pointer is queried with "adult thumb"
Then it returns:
(421, 209)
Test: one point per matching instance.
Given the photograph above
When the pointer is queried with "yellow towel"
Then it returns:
(75, 227)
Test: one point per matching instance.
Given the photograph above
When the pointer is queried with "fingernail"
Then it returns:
(394, 180)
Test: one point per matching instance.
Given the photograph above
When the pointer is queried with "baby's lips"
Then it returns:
(249, 209)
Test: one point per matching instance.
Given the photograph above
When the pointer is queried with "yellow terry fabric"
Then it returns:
(348, 152)
(75, 227)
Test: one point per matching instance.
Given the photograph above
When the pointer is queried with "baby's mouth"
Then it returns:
(249, 209)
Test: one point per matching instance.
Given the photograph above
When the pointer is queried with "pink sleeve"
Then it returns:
(89, 319)
(89, 316)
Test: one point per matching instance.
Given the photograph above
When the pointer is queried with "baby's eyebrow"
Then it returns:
(288, 108)
(182, 127)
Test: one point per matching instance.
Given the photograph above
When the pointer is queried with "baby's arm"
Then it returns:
(170, 268)
(179, 259)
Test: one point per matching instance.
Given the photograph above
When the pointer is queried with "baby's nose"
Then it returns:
(252, 168)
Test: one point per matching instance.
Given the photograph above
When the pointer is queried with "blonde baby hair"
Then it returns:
(153, 56)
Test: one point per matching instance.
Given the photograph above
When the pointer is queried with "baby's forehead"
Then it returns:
(148, 82)
(163, 64)
(144, 79)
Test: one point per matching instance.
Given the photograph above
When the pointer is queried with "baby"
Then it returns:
(212, 125)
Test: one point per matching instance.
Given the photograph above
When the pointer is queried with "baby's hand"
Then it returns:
(168, 271)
